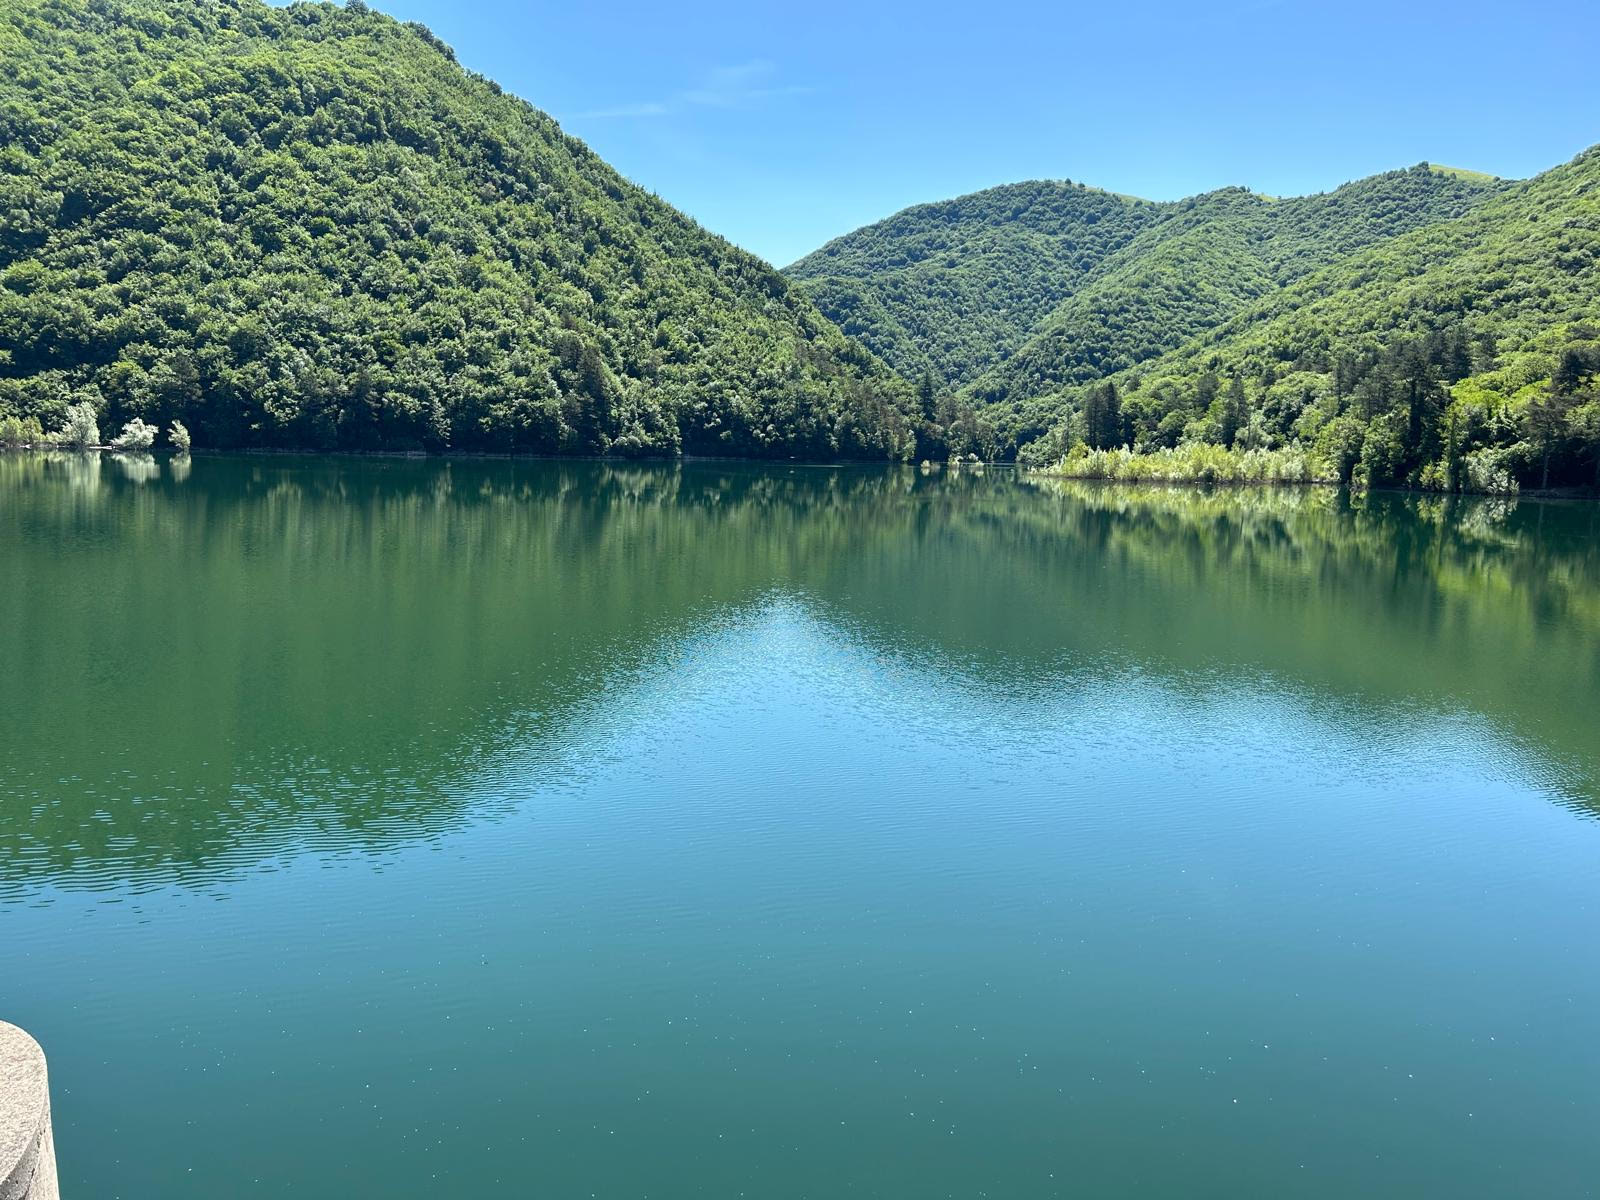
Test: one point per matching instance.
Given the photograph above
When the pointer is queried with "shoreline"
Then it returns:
(926, 466)
(1331, 484)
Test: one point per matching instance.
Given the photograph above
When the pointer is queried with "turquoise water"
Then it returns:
(426, 828)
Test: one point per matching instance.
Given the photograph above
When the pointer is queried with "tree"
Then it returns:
(1584, 422)
(1424, 401)
(1570, 371)
(1102, 414)
(1373, 394)
(136, 436)
(1452, 451)
(1456, 355)
(82, 429)
(1346, 373)
(1235, 411)
(1546, 421)
(16, 432)
(179, 436)
(926, 399)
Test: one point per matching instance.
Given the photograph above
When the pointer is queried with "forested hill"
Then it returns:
(310, 226)
(1022, 288)
(951, 289)
(1465, 353)
(1211, 258)
(1429, 327)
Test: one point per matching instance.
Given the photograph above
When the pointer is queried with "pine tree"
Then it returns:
(1235, 411)
(1102, 417)
(1570, 371)
(926, 398)
(1424, 401)
(1457, 360)
(1547, 425)
(1094, 417)
(1111, 418)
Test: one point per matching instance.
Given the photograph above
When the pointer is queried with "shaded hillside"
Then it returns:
(311, 227)
(1193, 270)
(952, 288)
(1022, 288)
(1209, 258)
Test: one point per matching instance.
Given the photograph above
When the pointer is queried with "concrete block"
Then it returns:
(27, 1146)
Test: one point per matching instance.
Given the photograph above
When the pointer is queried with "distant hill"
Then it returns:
(1207, 259)
(1028, 286)
(1477, 335)
(1432, 327)
(953, 288)
(310, 226)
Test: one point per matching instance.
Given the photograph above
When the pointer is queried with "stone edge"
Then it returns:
(33, 1175)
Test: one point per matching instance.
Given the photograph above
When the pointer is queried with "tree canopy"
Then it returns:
(1021, 287)
(1461, 355)
(310, 226)
(1427, 327)
(953, 288)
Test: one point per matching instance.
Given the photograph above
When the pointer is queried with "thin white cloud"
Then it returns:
(738, 86)
(650, 108)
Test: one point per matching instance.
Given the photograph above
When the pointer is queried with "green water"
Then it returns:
(420, 829)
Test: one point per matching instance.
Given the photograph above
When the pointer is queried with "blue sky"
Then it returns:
(783, 125)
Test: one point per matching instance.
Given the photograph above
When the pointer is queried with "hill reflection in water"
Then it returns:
(217, 663)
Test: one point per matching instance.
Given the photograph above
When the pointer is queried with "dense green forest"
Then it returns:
(951, 289)
(1033, 284)
(1208, 260)
(1428, 327)
(309, 226)
(1462, 355)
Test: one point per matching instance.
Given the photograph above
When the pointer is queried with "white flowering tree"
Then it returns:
(82, 429)
(136, 436)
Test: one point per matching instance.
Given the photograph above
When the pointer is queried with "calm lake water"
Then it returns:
(451, 828)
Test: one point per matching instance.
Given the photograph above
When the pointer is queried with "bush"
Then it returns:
(20, 431)
(179, 436)
(82, 429)
(1488, 470)
(136, 436)
(1435, 477)
(1192, 462)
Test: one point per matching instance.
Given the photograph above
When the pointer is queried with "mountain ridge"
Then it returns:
(1038, 239)
(867, 280)
(1429, 327)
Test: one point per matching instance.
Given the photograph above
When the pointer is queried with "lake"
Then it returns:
(424, 828)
